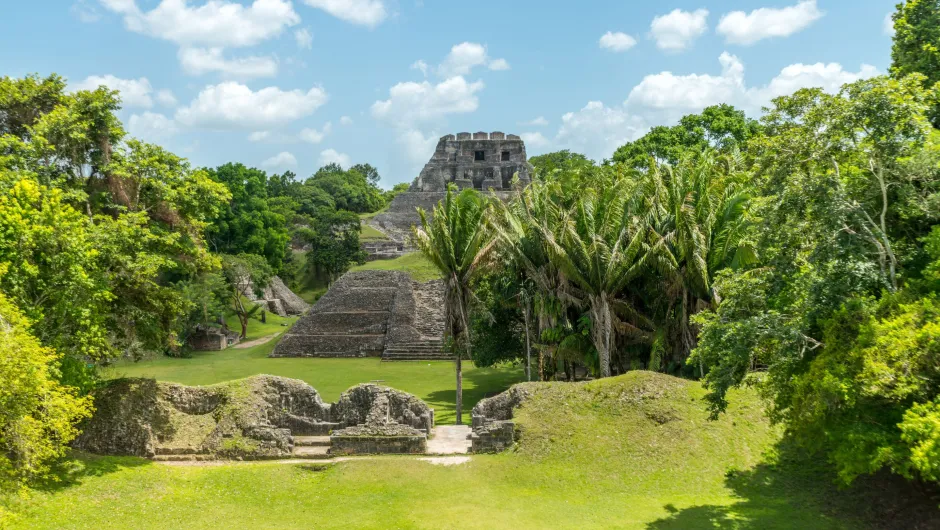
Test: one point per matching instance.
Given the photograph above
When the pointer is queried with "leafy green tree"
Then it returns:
(916, 48)
(333, 241)
(350, 190)
(23, 101)
(563, 160)
(38, 415)
(248, 225)
(457, 242)
(243, 273)
(720, 127)
(401, 187)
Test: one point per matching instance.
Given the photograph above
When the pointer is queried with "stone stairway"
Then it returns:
(312, 447)
(425, 350)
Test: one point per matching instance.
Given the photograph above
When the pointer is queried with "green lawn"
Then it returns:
(433, 382)
(369, 233)
(635, 451)
(414, 264)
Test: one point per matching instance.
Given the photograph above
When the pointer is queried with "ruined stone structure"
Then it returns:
(493, 428)
(255, 418)
(483, 161)
(212, 338)
(277, 298)
(371, 313)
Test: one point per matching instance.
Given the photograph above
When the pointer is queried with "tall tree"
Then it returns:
(457, 241)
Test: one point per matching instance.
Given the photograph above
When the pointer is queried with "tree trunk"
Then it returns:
(601, 331)
(459, 390)
(528, 343)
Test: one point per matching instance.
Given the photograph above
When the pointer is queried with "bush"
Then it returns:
(38, 415)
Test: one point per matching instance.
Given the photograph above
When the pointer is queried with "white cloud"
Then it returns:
(345, 120)
(661, 99)
(369, 13)
(416, 146)
(412, 102)
(259, 136)
(739, 27)
(134, 92)
(84, 12)
(498, 65)
(421, 66)
(537, 122)
(282, 160)
(215, 23)
(304, 39)
(677, 30)
(888, 25)
(166, 98)
(597, 130)
(464, 57)
(314, 136)
(151, 127)
(331, 156)
(231, 105)
(616, 42)
(198, 61)
(535, 140)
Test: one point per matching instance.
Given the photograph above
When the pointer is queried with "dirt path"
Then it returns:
(256, 342)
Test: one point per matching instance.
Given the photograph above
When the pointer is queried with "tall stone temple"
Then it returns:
(483, 161)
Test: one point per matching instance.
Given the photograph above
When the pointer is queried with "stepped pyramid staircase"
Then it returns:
(428, 322)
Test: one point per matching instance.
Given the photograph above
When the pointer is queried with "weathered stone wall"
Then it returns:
(493, 428)
(484, 161)
(376, 445)
(380, 420)
(248, 418)
(277, 298)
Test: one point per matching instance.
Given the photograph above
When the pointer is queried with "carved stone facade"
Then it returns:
(483, 161)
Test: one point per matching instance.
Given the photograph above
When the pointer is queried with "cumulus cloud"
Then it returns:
(282, 160)
(166, 98)
(345, 120)
(416, 146)
(464, 57)
(739, 27)
(259, 136)
(231, 105)
(83, 11)
(421, 66)
(151, 127)
(314, 136)
(332, 156)
(888, 25)
(616, 42)
(661, 99)
(134, 92)
(215, 23)
(304, 39)
(677, 30)
(369, 13)
(411, 102)
(535, 140)
(198, 61)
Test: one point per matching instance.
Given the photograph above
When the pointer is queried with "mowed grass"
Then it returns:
(434, 382)
(636, 451)
(369, 233)
(414, 263)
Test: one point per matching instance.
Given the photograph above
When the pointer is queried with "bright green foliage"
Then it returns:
(38, 415)
(350, 190)
(24, 100)
(564, 160)
(916, 47)
(333, 240)
(243, 273)
(457, 241)
(249, 224)
(49, 265)
(720, 127)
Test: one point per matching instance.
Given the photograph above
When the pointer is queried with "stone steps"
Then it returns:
(313, 430)
(417, 357)
(312, 452)
(189, 457)
(311, 441)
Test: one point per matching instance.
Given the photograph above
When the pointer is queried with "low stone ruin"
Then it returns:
(255, 418)
(492, 420)
(212, 338)
(381, 420)
(277, 298)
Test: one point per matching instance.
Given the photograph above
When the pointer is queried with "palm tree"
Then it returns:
(698, 210)
(600, 246)
(457, 242)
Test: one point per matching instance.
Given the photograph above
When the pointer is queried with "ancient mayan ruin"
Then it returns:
(483, 161)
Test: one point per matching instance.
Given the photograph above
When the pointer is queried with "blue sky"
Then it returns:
(291, 84)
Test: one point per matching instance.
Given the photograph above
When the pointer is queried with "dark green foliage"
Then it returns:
(496, 322)
(720, 127)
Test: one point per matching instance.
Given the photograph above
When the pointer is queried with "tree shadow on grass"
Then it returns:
(74, 468)
(797, 490)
